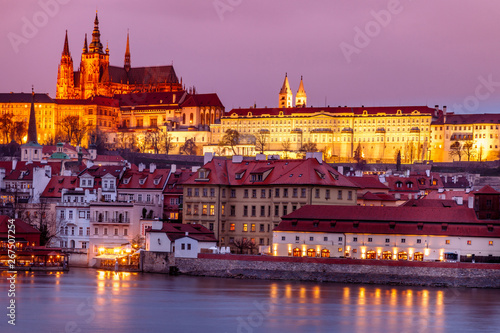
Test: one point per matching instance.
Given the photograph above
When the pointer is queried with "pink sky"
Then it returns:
(423, 53)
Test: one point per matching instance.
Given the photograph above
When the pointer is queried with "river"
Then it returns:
(87, 300)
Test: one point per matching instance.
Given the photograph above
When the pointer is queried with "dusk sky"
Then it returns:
(350, 52)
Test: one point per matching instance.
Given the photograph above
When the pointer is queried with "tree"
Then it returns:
(168, 142)
(241, 244)
(468, 149)
(231, 138)
(188, 148)
(456, 150)
(45, 221)
(261, 141)
(480, 153)
(252, 246)
(358, 154)
(154, 139)
(100, 140)
(285, 146)
(19, 131)
(73, 129)
(309, 147)
(398, 161)
(137, 242)
(6, 124)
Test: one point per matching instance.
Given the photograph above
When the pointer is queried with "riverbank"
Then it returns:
(407, 273)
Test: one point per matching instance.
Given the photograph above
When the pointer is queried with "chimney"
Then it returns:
(471, 202)
(428, 172)
(208, 158)
(186, 234)
(173, 168)
(237, 158)
(141, 167)
(14, 163)
(444, 109)
(152, 167)
(260, 157)
(340, 169)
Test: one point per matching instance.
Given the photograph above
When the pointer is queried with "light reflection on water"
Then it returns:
(85, 300)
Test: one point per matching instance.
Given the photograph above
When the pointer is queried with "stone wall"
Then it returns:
(77, 257)
(156, 262)
(343, 270)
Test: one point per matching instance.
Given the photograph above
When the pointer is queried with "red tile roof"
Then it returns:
(406, 110)
(177, 230)
(202, 100)
(384, 213)
(149, 99)
(176, 181)
(368, 182)
(369, 196)
(108, 158)
(21, 226)
(283, 172)
(430, 203)
(49, 150)
(131, 179)
(487, 190)
(57, 183)
(24, 171)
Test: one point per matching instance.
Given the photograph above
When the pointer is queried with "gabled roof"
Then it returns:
(143, 75)
(176, 230)
(284, 172)
(144, 180)
(487, 190)
(109, 159)
(368, 182)
(57, 183)
(21, 226)
(385, 213)
(389, 110)
(100, 171)
(202, 100)
(24, 98)
(49, 150)
(176, 181)
(24, 171)
(430, 203)
(369, 196)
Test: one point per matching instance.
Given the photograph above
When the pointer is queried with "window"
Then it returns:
(125, 232)
(205, 192)
(72, 231)
(387, 240)
(254, 209)
(403, 240)
(245, 210)
(245, 227)
(302, 192)
(61, 215)
(70, 214)
(349, 195)
(245, 194)
(183, 246)
(285, 193)
(223, 210)
(340, 239)
(355, 239)
(262, 210)
(189, 247)
(316, 193)
(419, 241)
(211, 226)
(297, 238)
(254, 193)
(252, 227)
(339, 195)
(327, 194)
(325, 239)
(262, 193)
(223, 193)
(232, 210)
(233, 193)
(370, 239)
(116, 231)
(232, 227)
(148, 198)
(105, 231)
(295, 192)
(276, 210)
(212, 210)
(139, 197)
(195, 210)
(96, 231)
(212, 192)
(469, 242)
(311, 239)
(447, 242)
(188, 209)
(283, 238)
(490, 243)
(189, 192)
(88, 231)
(285, 209)
(204, 209)
(196, 192)
(80, 231)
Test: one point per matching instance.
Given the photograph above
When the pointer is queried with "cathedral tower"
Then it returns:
(285, 94)
(94, 67)
(301, 97)
(65, 78)
(127, 56)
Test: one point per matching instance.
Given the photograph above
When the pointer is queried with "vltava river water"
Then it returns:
(86, 300)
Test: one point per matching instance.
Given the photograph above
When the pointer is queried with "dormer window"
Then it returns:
(142, 181)
(157, 181)
(399, 184)
(239, 175)
(126, 180)
(257, 177)
(409, 184)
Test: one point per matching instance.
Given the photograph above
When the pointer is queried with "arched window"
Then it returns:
(311, 253)
(207, 115)
(72, 244)
(325, 253)
(184, 119)
(190, 119)
(297, 252)
(202, 118)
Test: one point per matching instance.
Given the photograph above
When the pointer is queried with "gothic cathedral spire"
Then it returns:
(127, 55)
(32, 136)
(85, 47)
(65, 78)
(301, 97)
(285, 94)
(96, 45)
(66, 46)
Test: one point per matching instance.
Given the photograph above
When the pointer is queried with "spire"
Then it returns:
(285, 95)
(32, 136)
(96, 46)
(66, 46)
(107, 48)
(286, 86)
(85, 47)
(127, 54)
(301, 97)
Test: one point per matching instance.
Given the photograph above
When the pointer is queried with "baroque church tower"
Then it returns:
(301, 97)
(65, 78)
(285, 95)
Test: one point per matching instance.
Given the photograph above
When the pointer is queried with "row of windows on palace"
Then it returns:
(209, 210)
(355, 129)
(369, 240)
(70, 231)
(325, 121)
(278, 192)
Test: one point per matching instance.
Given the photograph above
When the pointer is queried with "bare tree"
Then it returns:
(6, 125)
(261, 140)
(231, 138)
(137, 242)
(168, 142)
(285, 146)
(19, 131)
(153, 139)
(73, 129)
(309, 147)
(468, 149)
(188, 148)
(456, 150)
(241, 244)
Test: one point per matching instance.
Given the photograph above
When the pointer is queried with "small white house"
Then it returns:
(185, 240)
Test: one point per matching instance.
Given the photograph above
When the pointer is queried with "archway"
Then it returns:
(297, 252)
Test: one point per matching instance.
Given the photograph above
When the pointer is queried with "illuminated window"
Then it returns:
(490, 243)
(252, 227)
(212, 210)
(232, 227)
(204, 210)
(245, 227)
(448, 241)
(469, 242)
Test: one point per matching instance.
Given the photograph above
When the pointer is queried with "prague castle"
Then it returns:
(127, 103)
